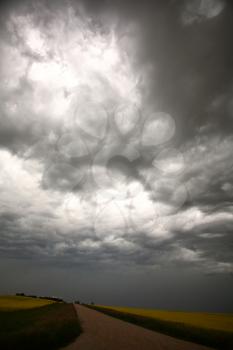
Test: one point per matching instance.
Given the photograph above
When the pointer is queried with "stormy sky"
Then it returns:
(116, 143)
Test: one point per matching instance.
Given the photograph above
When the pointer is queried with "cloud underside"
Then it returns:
(101, 161)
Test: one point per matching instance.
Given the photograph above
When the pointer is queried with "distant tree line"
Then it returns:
(51, 298)
(41, 297)
(78, 302)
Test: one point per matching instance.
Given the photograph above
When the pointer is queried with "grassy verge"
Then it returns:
(217, 339)
(48, 327)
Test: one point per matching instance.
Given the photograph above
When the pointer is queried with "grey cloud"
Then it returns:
(197, 11)
(209, 164)
(192, 65)
(85, 248)
(132, 169)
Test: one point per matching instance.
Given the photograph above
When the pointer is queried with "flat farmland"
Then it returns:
(33, 323)
(11, 303)
(210, 329)
(215, 321)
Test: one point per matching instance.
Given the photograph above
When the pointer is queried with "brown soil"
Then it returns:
(102, 332)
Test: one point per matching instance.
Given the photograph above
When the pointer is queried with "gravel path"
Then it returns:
(102, 332)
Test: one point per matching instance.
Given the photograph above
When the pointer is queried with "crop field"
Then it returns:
(216, 321)
(10, 303)
(210, 329)
(28, 323)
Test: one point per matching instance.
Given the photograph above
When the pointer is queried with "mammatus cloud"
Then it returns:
(91, 168)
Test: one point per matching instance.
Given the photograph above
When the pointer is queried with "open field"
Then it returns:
(10, 303)
(217, 321)
(214, 330)
(44, 327)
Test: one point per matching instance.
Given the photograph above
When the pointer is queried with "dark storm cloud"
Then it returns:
(118, 191)
(191, 62)
(206, 245)
(209, 164)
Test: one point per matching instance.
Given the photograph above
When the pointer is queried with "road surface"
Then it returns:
(102, 332)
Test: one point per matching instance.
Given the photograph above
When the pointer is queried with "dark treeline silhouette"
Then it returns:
(41, 297)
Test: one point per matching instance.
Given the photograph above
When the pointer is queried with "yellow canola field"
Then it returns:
(10, 303)
(215, 321)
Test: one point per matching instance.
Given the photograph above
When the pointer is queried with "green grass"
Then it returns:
(215, 338)
(47, 327)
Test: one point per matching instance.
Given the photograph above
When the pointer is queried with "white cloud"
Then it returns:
(65, 57)
(187, 255)
(194, 217)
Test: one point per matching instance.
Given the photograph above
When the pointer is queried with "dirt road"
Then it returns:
(102, 332)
